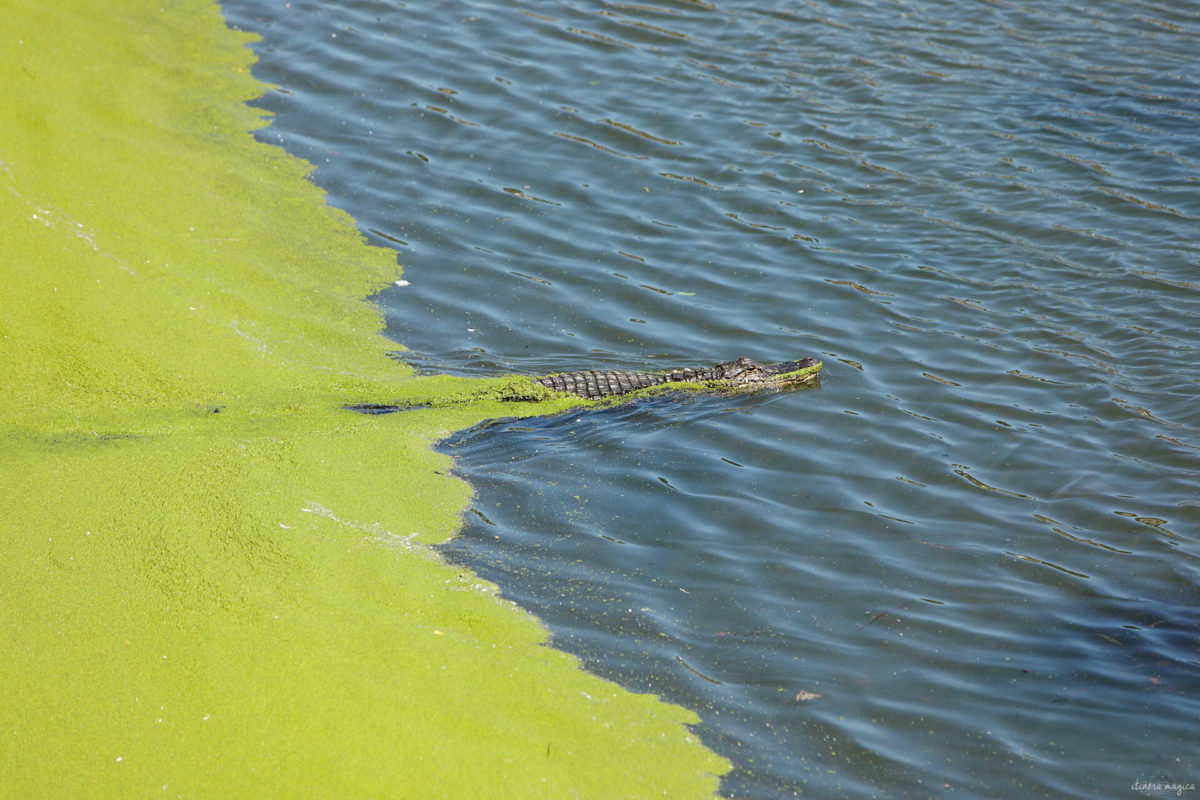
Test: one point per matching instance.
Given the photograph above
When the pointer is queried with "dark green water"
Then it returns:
(976, 540)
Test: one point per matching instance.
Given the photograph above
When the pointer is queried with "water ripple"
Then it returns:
(967, 561)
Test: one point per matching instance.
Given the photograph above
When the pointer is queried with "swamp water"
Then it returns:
(963, 565)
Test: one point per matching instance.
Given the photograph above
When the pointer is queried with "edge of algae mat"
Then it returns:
(215, 581)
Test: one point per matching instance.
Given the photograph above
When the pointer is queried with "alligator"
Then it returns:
(741, 373)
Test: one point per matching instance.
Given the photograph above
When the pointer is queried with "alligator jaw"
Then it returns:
(800, 371)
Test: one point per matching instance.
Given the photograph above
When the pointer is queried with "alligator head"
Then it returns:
(748, 372)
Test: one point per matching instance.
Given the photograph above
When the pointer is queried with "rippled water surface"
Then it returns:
(963, 565)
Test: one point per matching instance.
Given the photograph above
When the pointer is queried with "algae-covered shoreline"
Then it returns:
(216, 581)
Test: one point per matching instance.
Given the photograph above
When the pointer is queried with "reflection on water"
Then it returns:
(966, 563)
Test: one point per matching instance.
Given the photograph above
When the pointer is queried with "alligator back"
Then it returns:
(595, 385)
(739, 373)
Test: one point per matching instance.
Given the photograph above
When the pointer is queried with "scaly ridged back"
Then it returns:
(594, 385)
